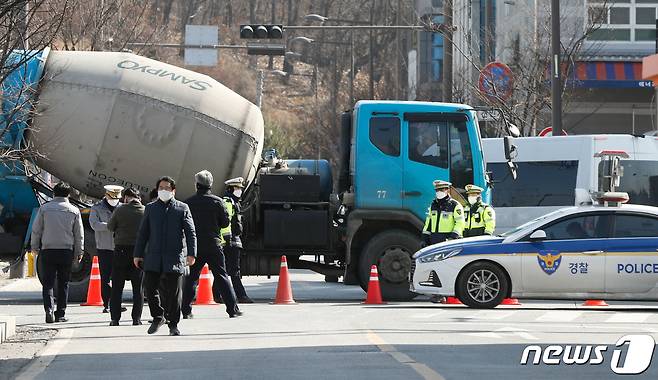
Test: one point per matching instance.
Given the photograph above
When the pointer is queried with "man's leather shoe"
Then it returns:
(114, 323)
(137, 322)
(174, 331)
(123, 308)
(50, 318)
(236, 314)
(188, 316)
(155, 326)
(61, 319)
(245, 300)
(105, 310)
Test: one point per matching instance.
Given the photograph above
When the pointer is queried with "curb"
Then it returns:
(7, 327)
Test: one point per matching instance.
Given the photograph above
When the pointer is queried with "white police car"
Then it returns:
(587, 252)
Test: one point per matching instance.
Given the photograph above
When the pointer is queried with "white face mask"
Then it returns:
(165, 195)
(113, 202)
(237, 193)
(441, 194)
(473, 199)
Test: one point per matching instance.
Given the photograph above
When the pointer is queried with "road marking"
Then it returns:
(518, 332)
(423, 370)
(628, 318)
(559, 316)
(425, 315)
(494, 314)
(45, 357)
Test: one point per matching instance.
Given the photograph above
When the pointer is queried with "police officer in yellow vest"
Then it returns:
(445, 216)
(480, 217)
(231, 236)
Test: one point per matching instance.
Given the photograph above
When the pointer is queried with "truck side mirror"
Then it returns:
(510, 148)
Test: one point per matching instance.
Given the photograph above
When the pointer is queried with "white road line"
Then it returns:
(621, 317)
(518, 332)
(423, 370)
(425, 315)
(559, 316)
(495, 314)
(45, 357)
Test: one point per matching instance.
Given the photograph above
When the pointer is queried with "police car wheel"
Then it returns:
(482, 285)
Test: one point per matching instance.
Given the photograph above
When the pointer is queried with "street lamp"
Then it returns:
(303, 39)
(315, 17)
(292, 55)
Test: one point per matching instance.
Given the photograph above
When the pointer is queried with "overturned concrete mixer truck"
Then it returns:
(100, 118)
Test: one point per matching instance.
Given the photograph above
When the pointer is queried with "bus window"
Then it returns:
(640, 181)
(542, 183)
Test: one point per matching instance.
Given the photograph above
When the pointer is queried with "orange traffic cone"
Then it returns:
(511, 301)
(374, 296)
(452, 301)
(595, 303)
(283, 289)
(204, 290)
(94, 291)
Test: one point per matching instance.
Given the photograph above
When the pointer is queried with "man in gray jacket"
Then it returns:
(165, 222)
(58, 236)
(98, 217)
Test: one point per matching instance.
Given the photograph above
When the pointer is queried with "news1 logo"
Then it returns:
(638, 351)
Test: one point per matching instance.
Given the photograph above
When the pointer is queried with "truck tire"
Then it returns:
(391, 251)
(495, 286)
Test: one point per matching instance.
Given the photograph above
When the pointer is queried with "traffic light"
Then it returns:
(266, 49)
(261, 31)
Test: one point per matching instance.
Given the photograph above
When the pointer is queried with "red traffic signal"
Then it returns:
(261, 31)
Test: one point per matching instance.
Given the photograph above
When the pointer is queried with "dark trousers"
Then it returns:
(214, 257)
(171, 282)
(124, 269)
(105, 257)
(55, 265)
(233, 270)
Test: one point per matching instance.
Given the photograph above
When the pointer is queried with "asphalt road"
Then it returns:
(329, 334)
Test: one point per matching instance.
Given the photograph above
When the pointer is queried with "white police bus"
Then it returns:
(558, 171)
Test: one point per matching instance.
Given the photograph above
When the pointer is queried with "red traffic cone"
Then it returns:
(595, 303)
(94, 290)
(511, 301)
(204, 290)
(452, 301)
(283, 289)
(374, 296)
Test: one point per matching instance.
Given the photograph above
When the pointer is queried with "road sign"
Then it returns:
(547, 130)
(201, 35)
(496, 81)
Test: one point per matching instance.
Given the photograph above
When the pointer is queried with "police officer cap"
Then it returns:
(204, 178)
(113, 191)
(438, 184)
(235, 182)
(472, 189)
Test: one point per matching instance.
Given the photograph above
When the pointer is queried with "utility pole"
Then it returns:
(447, 51)
(270, 64)
(556, 80)
(260, 79)
(371, 63)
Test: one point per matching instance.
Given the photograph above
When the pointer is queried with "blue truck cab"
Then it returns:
(397, 150)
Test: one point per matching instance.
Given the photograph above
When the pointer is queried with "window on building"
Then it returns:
(622, 20)
(437, 52)
(385, 134)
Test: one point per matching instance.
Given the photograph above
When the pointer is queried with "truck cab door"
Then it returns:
(379, 162)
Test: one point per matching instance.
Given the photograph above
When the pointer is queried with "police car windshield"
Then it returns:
(533, 221)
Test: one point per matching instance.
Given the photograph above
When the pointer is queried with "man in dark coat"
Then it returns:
(210, 217)
(165, 222)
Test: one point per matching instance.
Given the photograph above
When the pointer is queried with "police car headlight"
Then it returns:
(439, 256)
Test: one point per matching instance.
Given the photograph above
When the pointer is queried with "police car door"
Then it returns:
(632, 260)
(572, 257)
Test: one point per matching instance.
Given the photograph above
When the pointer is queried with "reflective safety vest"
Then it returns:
(226, 231)
(480, 220)
(444, 218)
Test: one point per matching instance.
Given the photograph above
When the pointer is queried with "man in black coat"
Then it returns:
(210, 217)
(163, 225)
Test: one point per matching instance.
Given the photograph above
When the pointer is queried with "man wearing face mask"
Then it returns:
(165, 224)
(210, 217)
(99, 216)
(480, 217)
(445, 216)
(231, 238)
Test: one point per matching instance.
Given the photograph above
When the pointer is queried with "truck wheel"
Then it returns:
(482, 285)
(391, 251)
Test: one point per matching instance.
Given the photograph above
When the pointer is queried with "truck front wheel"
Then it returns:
(391, 251)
